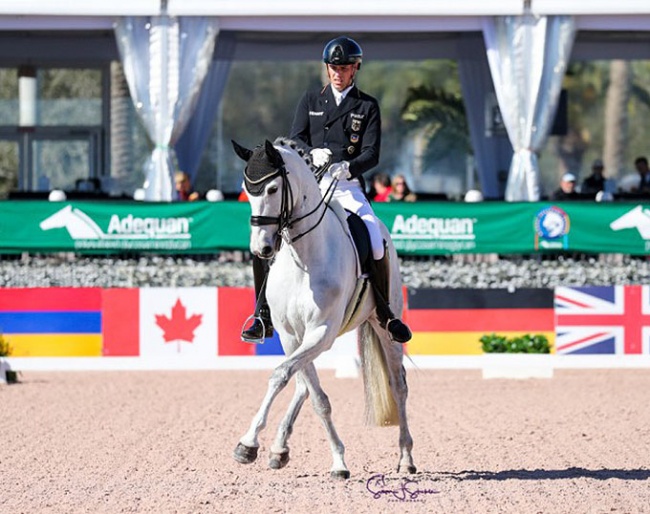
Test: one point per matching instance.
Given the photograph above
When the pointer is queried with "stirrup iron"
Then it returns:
(253, 340)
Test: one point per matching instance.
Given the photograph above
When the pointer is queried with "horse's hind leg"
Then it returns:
(323, 409)
(280, 450)
(399, 388)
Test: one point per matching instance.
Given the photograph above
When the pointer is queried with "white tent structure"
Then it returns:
(519, 49)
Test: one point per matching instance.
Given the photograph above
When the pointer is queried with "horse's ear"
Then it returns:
(243, 153)
(275, 158)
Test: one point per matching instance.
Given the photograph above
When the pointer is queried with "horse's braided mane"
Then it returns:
(298, 146)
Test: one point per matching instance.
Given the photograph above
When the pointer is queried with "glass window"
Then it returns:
(69, 97)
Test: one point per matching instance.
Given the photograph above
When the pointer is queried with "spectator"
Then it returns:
(596, 181)
(567, 189)
(184, 187)
(401, 192)
(641, 165)
(382, 187)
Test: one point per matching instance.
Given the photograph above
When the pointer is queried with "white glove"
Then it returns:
(340, 170)
(320, 156)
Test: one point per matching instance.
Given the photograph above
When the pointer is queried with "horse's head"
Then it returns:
(282, 190)
(269, 194)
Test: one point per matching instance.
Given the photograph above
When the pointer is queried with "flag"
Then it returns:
(602, 320)
(178, 323)
(52, 322)
(452, 321)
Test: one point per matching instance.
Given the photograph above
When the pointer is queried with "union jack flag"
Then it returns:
(605, 319)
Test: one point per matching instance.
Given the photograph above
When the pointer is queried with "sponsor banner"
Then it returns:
(52, 322)
(452, 321)
(117, 226)
(429, 228)
(603, 320)
(417, 228)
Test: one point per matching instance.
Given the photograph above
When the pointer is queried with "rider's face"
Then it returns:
(341, 76)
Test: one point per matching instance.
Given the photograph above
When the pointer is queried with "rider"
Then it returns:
(342, 125)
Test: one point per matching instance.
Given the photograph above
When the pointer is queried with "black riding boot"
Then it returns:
(262, 326)
(380, 279)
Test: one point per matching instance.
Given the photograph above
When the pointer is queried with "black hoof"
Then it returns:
(278, 460)
(407, 469)
(339, 474)
(245, 454)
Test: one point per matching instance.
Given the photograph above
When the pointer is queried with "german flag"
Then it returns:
(452, 321)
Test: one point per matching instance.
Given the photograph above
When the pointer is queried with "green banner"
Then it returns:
(512, 228)
(420, 228)
(115, 227)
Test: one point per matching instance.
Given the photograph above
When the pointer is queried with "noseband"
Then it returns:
(285, 219)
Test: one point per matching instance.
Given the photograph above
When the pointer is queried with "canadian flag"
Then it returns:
(178, 323)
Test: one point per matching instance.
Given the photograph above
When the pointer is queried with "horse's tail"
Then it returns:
(381, 409)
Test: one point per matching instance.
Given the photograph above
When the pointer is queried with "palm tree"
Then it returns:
(438, 123)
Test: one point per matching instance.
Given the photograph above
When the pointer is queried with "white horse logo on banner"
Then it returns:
(638, 218)
(76, 222)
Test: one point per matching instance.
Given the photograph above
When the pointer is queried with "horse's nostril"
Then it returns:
(267, 251)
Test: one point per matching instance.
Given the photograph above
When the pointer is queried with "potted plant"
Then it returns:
(524, 356)
(7, 375)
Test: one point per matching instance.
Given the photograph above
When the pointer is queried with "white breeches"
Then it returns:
(351, 197)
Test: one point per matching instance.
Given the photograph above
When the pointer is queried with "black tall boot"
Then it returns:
(380, 280)
(262, 326)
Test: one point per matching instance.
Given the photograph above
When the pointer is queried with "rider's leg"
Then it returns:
(379, 274)
(261, 328)
(354, 200)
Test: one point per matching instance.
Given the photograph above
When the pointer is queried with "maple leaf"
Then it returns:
(179, 326)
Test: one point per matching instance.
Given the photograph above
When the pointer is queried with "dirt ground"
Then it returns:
(162, 442)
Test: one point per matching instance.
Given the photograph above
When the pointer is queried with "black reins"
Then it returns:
(285, 220)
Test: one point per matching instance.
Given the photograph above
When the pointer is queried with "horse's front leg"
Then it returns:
(280, 450)
(246, 450)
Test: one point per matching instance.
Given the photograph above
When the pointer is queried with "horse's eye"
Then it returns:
(272, 190)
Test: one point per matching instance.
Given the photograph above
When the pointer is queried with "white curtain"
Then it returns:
(165, 60)
(190, 146)
(528, 56)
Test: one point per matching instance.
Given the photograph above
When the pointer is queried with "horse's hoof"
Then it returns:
(278, 460)
(407, 469)
(340, 474)
(245, 454)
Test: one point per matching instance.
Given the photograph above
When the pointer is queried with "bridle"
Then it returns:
(285, 219)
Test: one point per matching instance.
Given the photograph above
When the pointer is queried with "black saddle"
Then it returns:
(361, 239)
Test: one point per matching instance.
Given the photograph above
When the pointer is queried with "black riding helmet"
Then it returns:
(342, 50)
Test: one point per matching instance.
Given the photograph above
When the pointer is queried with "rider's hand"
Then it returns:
(340, 170)
(320, 156)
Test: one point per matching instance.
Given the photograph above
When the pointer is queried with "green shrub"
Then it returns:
(493, 343)
(5, 347)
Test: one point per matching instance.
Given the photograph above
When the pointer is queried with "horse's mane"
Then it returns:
(297, 146)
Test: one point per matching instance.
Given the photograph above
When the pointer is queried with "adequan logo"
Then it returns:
(417, 233)
(122, 232)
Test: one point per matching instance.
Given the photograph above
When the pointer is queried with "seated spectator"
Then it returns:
(641, 165)
(184, 187)
(401, 192)
(382, 187)
(596, 181)
(567, 189)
